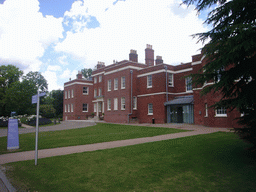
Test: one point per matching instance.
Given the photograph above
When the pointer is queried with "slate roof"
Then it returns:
(183, 100)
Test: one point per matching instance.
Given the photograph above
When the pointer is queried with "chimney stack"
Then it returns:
(159, 60)
(79, 75)
(133, 56)
(149, 56)
(100, 65)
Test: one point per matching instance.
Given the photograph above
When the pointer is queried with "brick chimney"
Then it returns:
(159, 60)
(79, 75)
(149, 55)
(100, 65)
(133, 56)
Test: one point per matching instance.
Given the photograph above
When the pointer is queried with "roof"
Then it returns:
(181, 100)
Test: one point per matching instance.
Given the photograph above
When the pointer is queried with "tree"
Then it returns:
(57, 96)
(37, 79)
(231, 51)
(87, 73)
(8, 76)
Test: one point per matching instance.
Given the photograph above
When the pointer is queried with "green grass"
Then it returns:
(95, 134)
(212, 162)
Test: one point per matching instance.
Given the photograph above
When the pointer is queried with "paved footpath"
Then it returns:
(43, 153)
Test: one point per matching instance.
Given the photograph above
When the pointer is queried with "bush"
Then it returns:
(42, 121)
(4, 122)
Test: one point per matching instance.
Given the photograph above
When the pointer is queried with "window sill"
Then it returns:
(221, 115)
(149, 87)
(190, 91)
(123, 109)
(150, 114)
(84, 111)
(85, 93)
(122, 87)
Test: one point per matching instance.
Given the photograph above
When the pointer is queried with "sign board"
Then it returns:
(13, 134)
(34, 97)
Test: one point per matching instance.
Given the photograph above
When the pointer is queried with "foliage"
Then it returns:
(47, 110)
(231, 52)
(57, 103)
(87, 73)
(37, 79)
(4, 121)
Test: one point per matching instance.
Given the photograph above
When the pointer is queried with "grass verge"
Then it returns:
(101, 132)
(212, 162)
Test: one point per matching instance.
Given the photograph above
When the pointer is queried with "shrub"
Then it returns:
(4, 121)
(42, 121)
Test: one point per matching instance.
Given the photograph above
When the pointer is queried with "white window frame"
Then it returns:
(109, 104)
(95, 79)
(206, 110)
(69, 94)
(149, 81)
(66, 95)
(221, 112)
(68, 107)
(109, 85)
(115, 104)
(72, 93)
(170, 79)
(100, 92)
(95, 107)
(86, 92)
(150, 109)
(65, 108)
(72, 107)
(188, 82)
(100, 78)
(122, 103)
(116, 84)
(122, 82)
(95, 92)
(87, 106)
(134, 103)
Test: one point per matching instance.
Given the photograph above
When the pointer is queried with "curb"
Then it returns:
(5, 185)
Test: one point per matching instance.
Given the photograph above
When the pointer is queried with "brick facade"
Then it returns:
(129, 91)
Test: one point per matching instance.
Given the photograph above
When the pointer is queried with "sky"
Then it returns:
(60, 37)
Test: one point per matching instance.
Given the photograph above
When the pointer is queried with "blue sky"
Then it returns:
(60, 37)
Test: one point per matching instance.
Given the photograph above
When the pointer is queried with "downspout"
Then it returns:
(131, 71)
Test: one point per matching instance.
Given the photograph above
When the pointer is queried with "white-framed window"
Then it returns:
(100, 78)
(95, 107)
(109, 85)
(150, 109)
(95, 92)
(122, 82)
(116, 84)
(109, 104)
(218, 74)
(95, 79)
(149, 81)
(65, 108)
(68, 93)
(115, 103)
(72, 108)
(170, 79)
(122, 103)
(68, 107)
(65, 94)
(220, 112)
(188, 83)
(206, 110)
(100, 107)
(85, 107)
(134, 103)
(85, 90)
(72, 93)
(100, 92)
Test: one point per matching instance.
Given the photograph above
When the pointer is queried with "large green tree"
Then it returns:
(230, 47)
(87, 73)
(38, 79)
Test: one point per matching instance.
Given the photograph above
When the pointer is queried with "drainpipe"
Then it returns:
(131, 71)
(166, 82)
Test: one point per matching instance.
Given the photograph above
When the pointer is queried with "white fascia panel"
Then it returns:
(163, 71)
(98, 73)
(121, 69)
(78, 83)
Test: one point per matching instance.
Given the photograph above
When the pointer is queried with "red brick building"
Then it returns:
(153, 91)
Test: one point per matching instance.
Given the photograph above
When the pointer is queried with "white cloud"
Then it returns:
(132, 24)
(54, 68)
(68, 74)
(25, 33)
(63, 60)
(51, 78)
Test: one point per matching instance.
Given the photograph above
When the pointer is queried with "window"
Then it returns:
(206, 110)
(68, 107)
(65, 108)
(85, 107)
(95, 92)
(170, 79)
(221, 112)
(123, 103)
(134, 103)
(188, 83)
(95, 79)
(115, 103)
(72, 108)
(149, 81)
(72, 93)
(65, 94)
(100, 92)
(100, 106)
(100, 78)
(116, 84)
(69, 94)
(95, 107)
(150, 109)
(109, 104)
(122, 82)
(85, 90)
(109, 85)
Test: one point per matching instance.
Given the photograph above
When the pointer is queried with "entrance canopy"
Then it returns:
(183, 100)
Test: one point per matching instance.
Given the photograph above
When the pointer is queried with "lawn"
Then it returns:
(101, 132)
(212, 162)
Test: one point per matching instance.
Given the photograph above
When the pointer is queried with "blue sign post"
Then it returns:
(13, 134)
